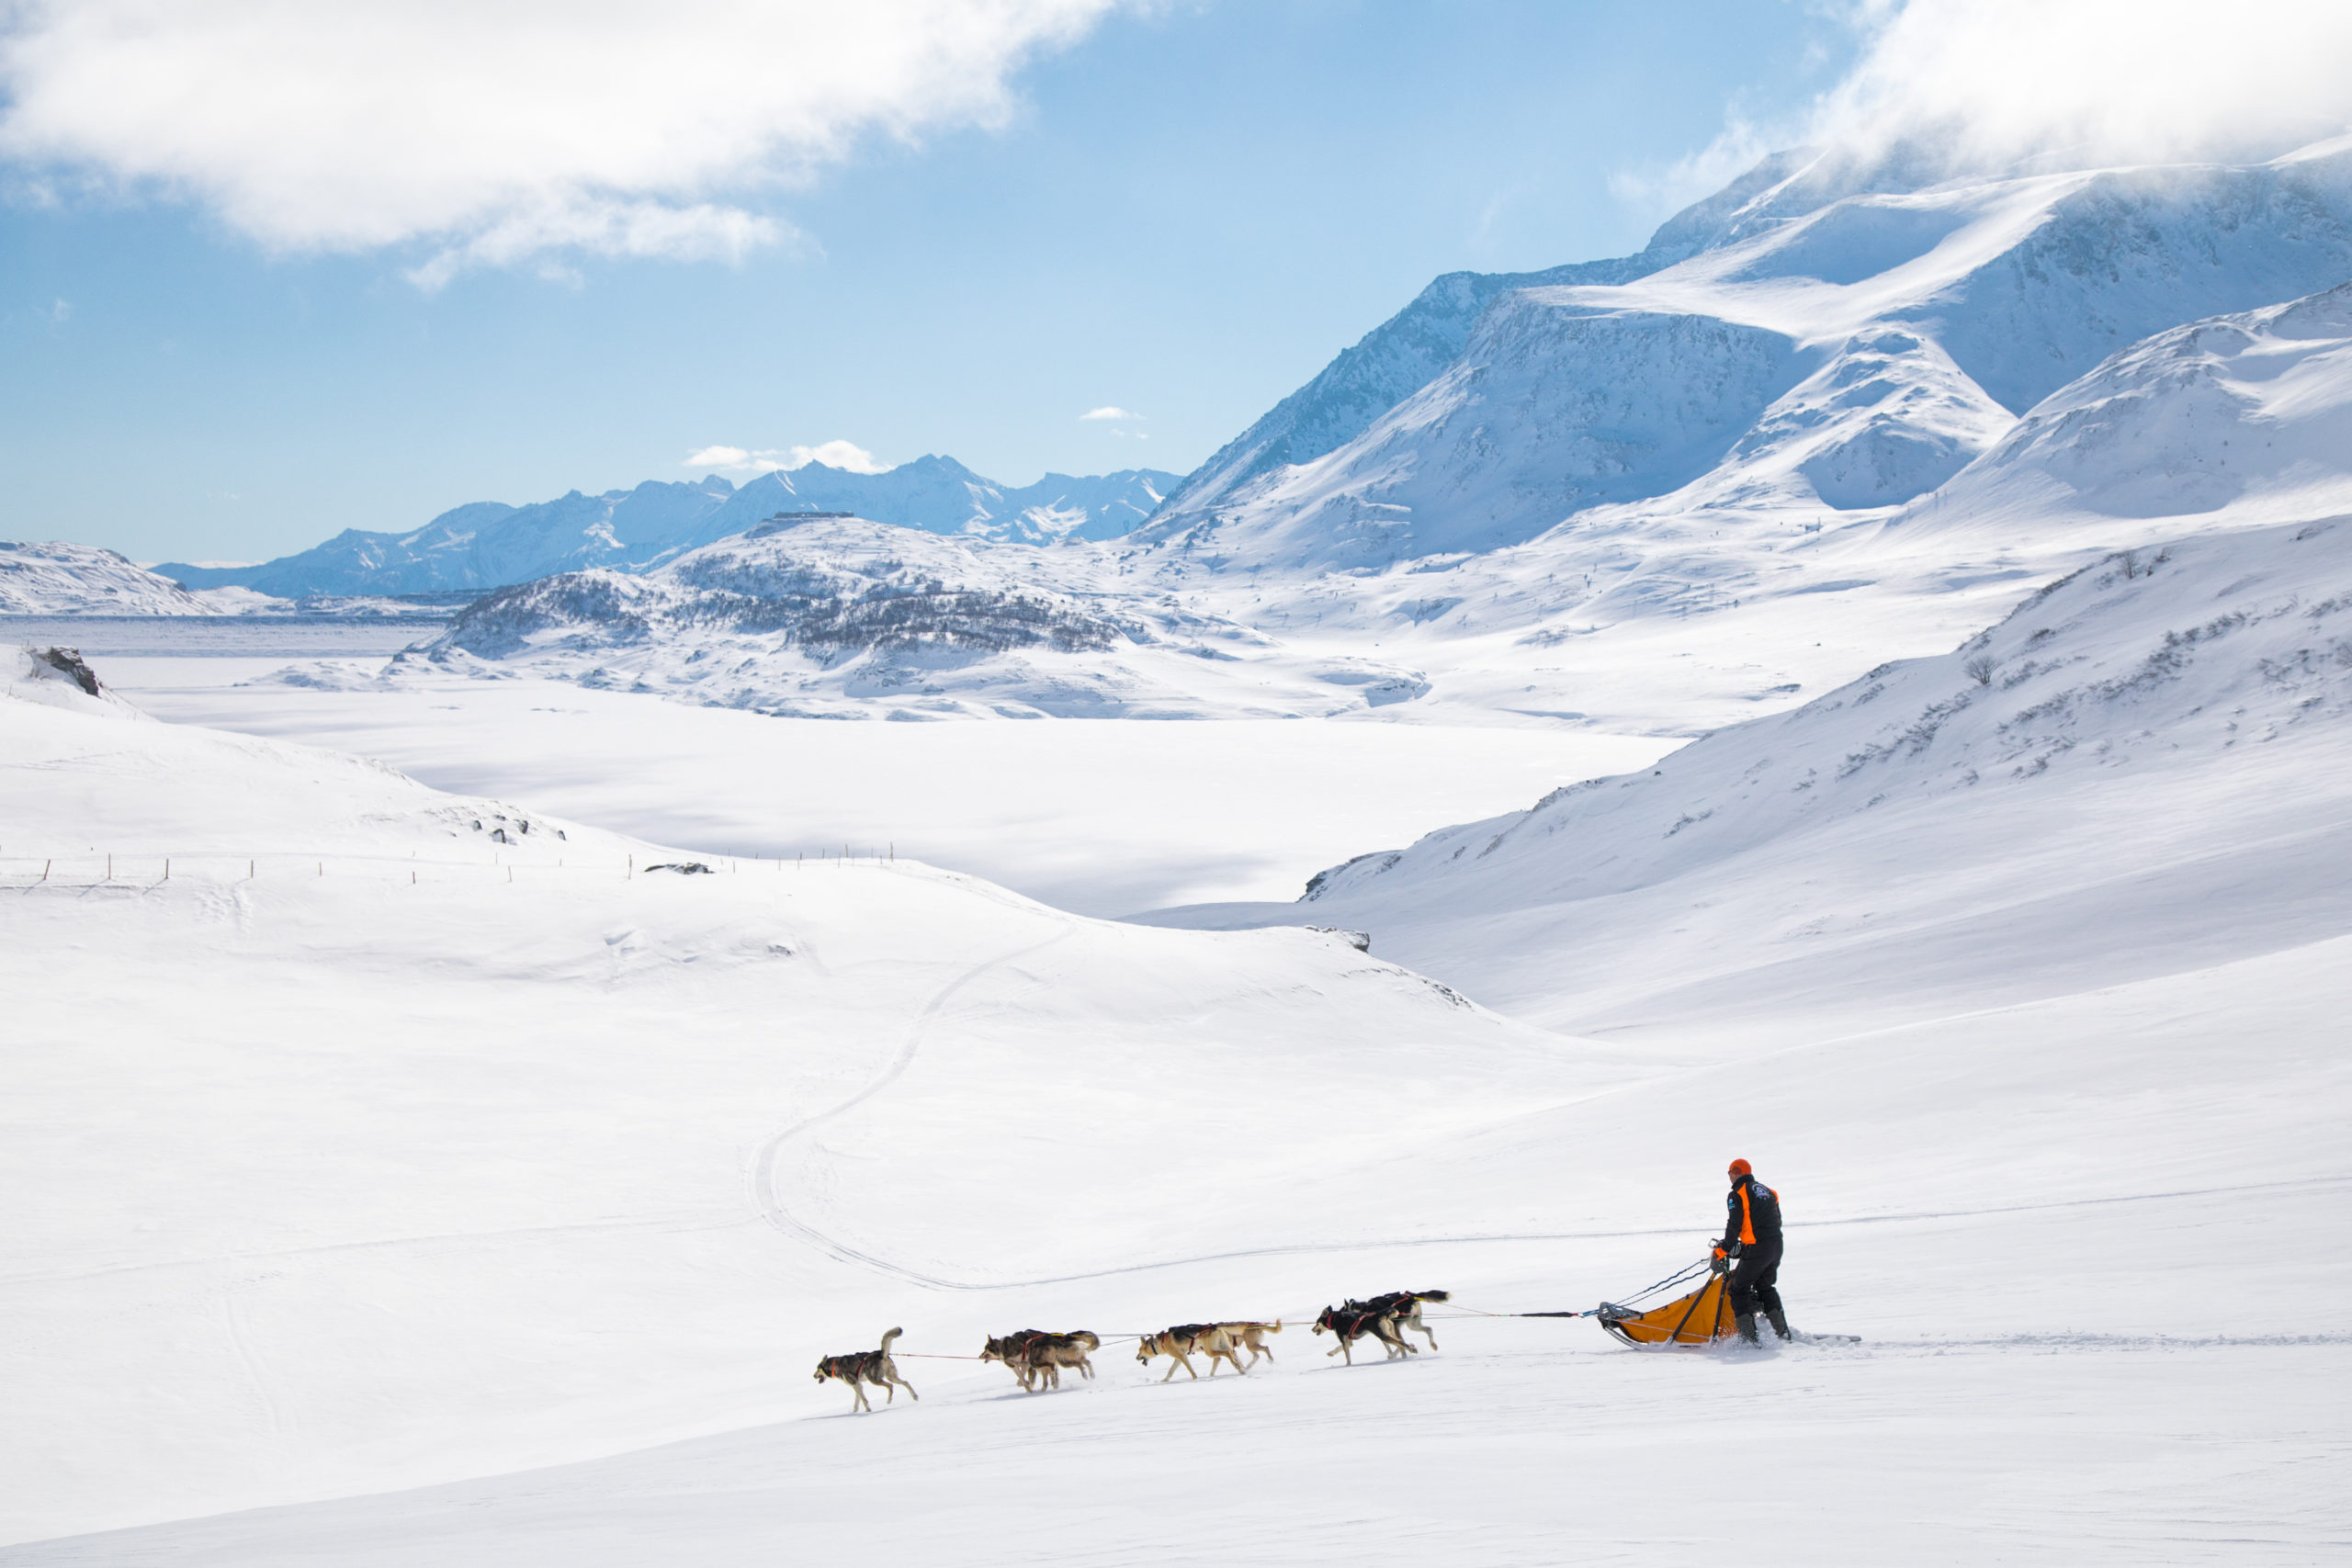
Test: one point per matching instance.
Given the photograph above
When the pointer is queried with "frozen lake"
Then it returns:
(1097, 816)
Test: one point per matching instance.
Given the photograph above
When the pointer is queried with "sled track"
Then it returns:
(765, 1186)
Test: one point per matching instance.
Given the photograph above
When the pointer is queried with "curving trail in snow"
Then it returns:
(766, 1186)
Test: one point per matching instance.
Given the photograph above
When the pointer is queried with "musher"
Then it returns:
(1752, 1238)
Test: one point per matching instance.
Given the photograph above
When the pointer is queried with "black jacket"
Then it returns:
(1754, 1215)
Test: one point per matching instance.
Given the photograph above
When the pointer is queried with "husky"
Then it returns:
(1403, 1309)
(1249, 1336)
(873, 1367)
(1035, 1357)
(1353, 1321)
(1210, 1340)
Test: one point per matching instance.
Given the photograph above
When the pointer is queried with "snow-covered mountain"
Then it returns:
(59, 579)
(490, 545)
(850, 618)
(1816, 345)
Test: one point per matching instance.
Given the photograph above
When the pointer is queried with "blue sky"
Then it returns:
(1187, 213)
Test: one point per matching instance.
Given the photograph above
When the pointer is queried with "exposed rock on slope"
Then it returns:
(855, 618)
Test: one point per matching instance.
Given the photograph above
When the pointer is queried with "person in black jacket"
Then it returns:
(1752, 1238)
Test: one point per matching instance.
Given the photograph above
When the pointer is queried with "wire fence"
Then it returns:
(102, 868)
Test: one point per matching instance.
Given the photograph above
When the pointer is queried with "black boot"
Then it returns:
(1779, 1320)
(1748, 1328)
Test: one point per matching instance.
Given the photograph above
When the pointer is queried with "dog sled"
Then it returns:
(1702, 1317)
(1697, 1320)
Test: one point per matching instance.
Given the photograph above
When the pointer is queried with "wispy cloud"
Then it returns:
(497, 134)
(846, 456)
(2087, 81)
(1110, 411)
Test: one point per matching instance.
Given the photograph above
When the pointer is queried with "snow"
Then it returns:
(410, 1176)
(849, 618)
(2029, 1005)
(489, 543)
(2190, 701)
(1100, 818)
(57, 578)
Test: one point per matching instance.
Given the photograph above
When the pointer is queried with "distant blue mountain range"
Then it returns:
(487, 544)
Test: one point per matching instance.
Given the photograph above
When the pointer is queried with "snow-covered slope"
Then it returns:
(490, 545)
(2143, 769)
(413, 1154)
(57, 579)
(852, 618)
(2247, 415)
(435, 1137)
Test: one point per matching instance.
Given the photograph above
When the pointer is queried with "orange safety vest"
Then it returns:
(1747, 1220)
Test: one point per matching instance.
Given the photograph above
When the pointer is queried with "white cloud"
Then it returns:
(503, 132)
(2100, 79)
(1985, 83)
(846, 456)
(1109, 411)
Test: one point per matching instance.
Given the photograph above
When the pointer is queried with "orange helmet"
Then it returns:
(1741, 1167)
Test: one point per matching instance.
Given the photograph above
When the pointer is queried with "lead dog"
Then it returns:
(861, 1367)
(1403, 1310)
(1353, 1321)
(1035, 1357)
(1211, 1339)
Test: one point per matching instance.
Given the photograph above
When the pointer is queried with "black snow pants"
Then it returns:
(1752, 1278)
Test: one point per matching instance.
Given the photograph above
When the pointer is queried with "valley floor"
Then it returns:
(1099, 817)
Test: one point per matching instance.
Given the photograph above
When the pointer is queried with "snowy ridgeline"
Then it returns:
(1838, 343)
(1832, 474)
(59, 579)
(855, 618)
(489, 543)
(1842, 412)
(2236, 421)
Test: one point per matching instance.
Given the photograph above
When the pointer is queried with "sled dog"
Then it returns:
(1353, 1321)
(1403, 1310)
(1035, 1357)
(861, 1367)
(1250, 1336)
(1179, 1343)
